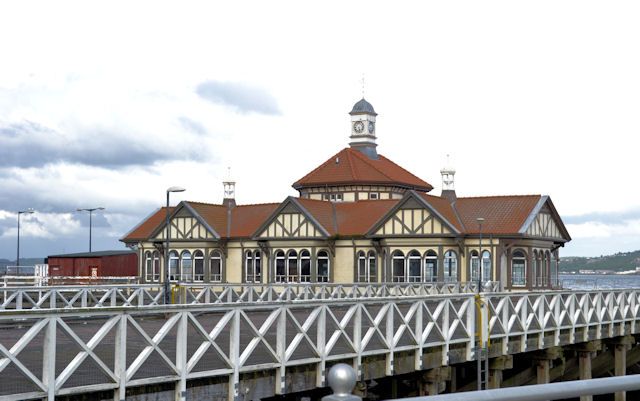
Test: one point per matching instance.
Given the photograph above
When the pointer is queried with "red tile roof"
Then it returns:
(147, 226)
(444, 207)
(502, 214)
(350, 166)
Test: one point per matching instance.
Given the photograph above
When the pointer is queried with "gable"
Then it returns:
(544, 226)
(185, 224)
(185, 228)
(545, 222)
(409, 221)
(291, 220)
(288, 224)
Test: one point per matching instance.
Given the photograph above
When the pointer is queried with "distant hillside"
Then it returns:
(618, 262)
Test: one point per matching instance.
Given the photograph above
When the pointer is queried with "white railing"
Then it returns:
(48, 353)
(39, 281)
(115, 348)
(97, 296)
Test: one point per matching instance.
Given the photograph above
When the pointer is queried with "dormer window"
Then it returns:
(334, 197)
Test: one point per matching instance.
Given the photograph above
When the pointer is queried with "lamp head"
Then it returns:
(175, 189)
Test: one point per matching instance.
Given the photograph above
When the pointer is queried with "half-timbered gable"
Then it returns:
(413, 216)
(187, 225)
(291, 220)
(544, 222)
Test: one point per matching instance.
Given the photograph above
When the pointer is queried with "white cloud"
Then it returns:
(527, 98)
(595, 229)
(44, 225)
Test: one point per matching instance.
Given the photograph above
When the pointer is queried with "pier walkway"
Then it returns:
(257, 341)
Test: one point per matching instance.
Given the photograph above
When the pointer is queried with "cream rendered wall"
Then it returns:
(316, 196)
(343, 263)
(234, 265)
(349, 196)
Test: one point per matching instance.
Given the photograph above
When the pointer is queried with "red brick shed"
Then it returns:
(94, 264)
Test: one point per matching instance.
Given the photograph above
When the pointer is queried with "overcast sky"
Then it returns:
(107, 104)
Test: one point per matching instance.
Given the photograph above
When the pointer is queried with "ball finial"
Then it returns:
(342, 379)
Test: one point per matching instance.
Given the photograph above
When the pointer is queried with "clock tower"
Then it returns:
(363, 128)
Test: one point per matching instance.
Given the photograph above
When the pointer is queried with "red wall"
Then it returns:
(111, 266)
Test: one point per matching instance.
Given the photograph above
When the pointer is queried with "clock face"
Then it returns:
(372, 127)
(358, 127)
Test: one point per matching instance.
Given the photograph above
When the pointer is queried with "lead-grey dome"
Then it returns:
(362, 107)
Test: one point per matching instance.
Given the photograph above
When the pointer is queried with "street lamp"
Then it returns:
(27, 211)
(166, 245)
(90, 210)
(479, 347)
(480, 220)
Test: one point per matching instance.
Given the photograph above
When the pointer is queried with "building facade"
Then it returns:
(359, 217)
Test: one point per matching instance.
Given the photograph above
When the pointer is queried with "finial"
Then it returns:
(342, 379)
(363, 85)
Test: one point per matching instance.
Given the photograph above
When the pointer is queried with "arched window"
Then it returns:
(486, 266)
(415, 261)
(373, 267)
(362, 268)
(186, 267)
(292, 266)
(198, 266)
(323, 267)
(554, 269)
(215, 274)
(148, 266)
(534, 268)
(305, 266)
(398, 266)
(518, 269)
(248, 267)
(474, 262)
(257, 267)
(450, 266)
(156, 266)
(173, 266)
(281, 268)
(430, 267)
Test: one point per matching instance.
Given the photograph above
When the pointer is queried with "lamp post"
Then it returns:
(27, 211)
(479, 347)
(90, 210)
(166, 245)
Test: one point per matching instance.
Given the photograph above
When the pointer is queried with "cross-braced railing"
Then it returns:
(48, 353)
(44, 354)
(51, 297)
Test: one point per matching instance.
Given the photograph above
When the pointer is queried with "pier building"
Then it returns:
(359, 218)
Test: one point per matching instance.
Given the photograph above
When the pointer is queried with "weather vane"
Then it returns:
(363, 85)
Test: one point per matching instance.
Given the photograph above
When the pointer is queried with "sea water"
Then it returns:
(599, 281)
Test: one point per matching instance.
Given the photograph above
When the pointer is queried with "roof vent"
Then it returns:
(337, 160)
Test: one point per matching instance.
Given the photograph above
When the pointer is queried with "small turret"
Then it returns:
(448, 184)
(229, 190)
(363, 128)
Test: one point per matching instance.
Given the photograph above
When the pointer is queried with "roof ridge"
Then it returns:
(364, 159)
(321, 166)
(500, 196)
(353, 171)
(455, 211)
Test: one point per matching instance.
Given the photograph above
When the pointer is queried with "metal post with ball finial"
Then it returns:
(342, 379)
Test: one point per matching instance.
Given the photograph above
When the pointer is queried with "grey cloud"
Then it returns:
(29, 144)
(240, 96)
(192, 125)
(602, 217)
